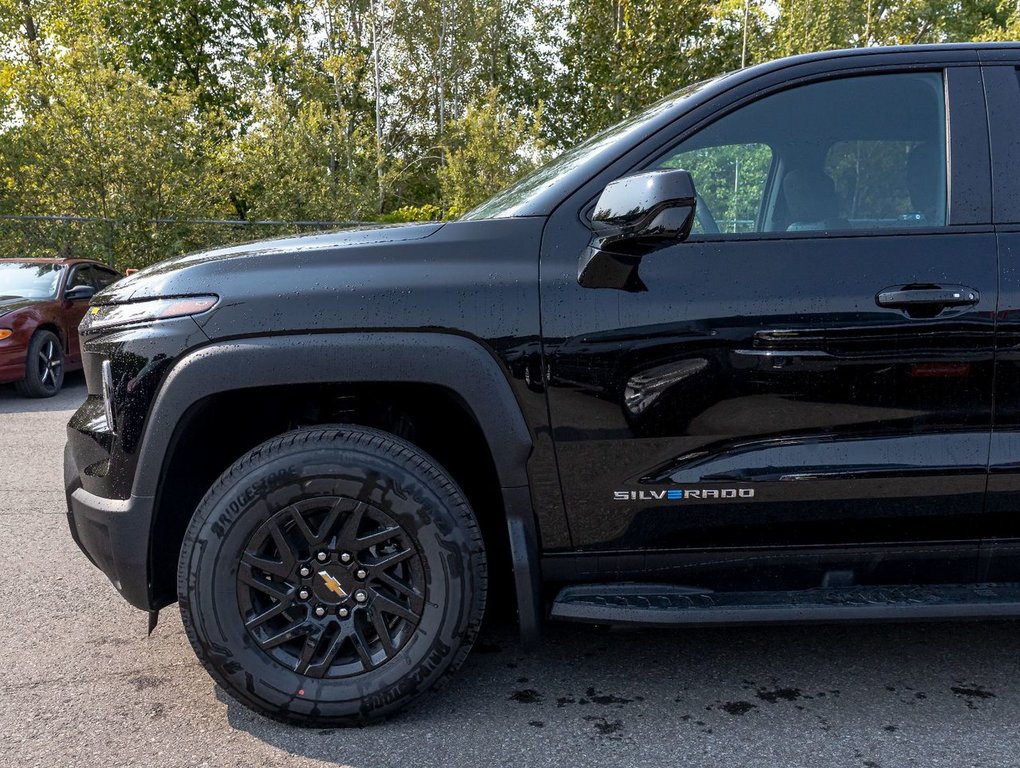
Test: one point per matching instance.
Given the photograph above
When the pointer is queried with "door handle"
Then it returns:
(927, 299)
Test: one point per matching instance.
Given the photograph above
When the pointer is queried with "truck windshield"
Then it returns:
(29, 280)
(514, 200)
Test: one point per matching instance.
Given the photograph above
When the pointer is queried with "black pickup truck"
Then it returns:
(748, 356)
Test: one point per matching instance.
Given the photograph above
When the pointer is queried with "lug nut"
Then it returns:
(361, 573)
(320, 611)
(305, 571)
(345, 557)
(303, 594)
(343, 613)
(361, 596)
(322, 557)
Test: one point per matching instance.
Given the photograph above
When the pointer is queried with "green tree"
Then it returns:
(130, 110)
(300, 163)
(997, 21)
(488, 149)
(99, 142)
(814, 25)
(621, 55)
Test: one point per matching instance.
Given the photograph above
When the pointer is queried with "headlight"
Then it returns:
(108, 315)
(5, 333)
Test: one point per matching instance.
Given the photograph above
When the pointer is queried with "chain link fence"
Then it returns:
(135, 243)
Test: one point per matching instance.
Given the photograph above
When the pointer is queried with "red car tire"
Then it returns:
(44, 366)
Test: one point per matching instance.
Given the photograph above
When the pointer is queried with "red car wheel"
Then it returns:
(44, 366)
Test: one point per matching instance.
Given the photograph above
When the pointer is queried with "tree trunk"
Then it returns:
(31, 31)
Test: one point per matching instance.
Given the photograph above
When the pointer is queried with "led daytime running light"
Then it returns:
(109, 315)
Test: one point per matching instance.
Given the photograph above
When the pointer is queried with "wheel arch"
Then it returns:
(460, 365)
(53, 327)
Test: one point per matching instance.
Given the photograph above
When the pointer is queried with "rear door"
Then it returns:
(1002, 83)
(814, 366)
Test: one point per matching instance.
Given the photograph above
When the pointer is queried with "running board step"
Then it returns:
(672, 605)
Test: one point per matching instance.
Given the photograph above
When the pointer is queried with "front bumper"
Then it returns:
(113, 534)
(12, 359)
(109, 520)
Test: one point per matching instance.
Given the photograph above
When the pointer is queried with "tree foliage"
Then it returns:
(99, 141)
(136, 115)
(487, 150)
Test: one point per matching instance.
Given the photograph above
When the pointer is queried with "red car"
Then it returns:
(41, 303)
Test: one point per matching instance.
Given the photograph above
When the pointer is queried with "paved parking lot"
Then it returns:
(82, 685)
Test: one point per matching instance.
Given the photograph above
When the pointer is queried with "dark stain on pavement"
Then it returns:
(142, 682)
(971, 693)
(780, 694)
(605, 699)
(564, 700)
(526, 696)
(738, 707)
(610, 730)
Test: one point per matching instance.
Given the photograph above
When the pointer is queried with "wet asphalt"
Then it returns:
(82, 685)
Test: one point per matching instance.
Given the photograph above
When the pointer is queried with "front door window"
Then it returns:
(857, 153)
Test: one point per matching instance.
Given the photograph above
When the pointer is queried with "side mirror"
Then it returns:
(79, 292)
(634, 216)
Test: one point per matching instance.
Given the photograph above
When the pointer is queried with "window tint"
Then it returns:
(876, 185)
(80, 276)
(730, 180)
(103, 277)
(857, 153)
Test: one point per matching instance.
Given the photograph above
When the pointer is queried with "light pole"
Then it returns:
(743, 48)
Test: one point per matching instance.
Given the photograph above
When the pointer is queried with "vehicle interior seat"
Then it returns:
(811, 201)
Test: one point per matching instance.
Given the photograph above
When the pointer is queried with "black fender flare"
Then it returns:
(454, 362)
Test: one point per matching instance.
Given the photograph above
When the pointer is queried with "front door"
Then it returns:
(813, 366)
(81, 275)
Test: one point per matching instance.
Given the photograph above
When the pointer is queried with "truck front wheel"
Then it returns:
(332, 576)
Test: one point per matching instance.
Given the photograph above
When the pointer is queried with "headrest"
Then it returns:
(810, 196)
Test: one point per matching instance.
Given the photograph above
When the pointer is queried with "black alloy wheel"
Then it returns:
(331, 587)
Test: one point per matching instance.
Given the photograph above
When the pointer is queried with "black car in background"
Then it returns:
(750, 355)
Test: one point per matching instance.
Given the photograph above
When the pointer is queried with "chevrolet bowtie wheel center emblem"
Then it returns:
(333, 585)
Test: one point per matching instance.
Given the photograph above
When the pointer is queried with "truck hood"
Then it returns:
(468, 277)
(199, 272)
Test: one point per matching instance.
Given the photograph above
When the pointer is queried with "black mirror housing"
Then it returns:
(79, 292)
(655, 205)
(634, 216)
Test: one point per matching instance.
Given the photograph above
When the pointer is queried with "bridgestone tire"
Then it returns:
(371, 470)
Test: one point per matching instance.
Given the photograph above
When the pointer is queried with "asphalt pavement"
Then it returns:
(82, 685)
